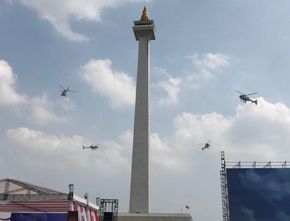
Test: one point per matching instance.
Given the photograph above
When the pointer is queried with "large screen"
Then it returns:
(39, 217)
(259, 194)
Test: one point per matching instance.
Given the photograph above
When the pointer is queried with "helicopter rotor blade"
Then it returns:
(253, 93)
(239, 92)
(61, 87)
(71, 90)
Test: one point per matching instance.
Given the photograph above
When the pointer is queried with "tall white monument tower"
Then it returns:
(144, 31)
(139, 192)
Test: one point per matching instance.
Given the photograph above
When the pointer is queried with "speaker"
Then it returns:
(72, 216)
(108, 216)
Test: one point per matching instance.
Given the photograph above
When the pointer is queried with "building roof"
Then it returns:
(16, 195)
(11, 186)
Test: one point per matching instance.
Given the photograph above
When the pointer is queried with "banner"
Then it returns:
(39, 217)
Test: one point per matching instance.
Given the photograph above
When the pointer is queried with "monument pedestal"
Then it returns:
(154, 217)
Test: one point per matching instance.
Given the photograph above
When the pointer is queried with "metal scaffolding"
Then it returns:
(256, 164)
(109, 209)
(224, 188)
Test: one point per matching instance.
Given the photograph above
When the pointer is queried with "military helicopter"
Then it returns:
(92, 147)
(245, 97)
(206, 145)
(65, 91)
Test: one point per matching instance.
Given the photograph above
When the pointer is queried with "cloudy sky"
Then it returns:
(204, 51)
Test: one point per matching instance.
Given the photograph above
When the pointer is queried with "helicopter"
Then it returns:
(92, 147)
(206, 145)
(65, 91)
(245, 97)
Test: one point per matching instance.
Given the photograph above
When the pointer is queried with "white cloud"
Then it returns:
(39, 109)
(37, 140)
(210, 61)
(162, 155)
(60, 13)
(8, 94)
(42, 111)
(170, 85)
(119, 87)
(206, 66)
(254, 132)
(63, 151)
(172, 88)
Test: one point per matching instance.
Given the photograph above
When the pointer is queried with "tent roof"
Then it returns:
(11, 186)
(17, 193)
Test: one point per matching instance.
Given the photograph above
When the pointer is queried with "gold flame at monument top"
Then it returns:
(145, 14)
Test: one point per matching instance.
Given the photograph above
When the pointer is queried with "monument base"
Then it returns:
(154, 217)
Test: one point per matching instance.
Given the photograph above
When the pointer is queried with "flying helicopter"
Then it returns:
(245, 97)
(206, 145)
(64, 91)
(92, 147)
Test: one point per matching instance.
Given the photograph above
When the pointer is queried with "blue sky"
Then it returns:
(203, 52)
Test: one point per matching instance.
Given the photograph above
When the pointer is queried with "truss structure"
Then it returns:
(224, 189)
(109, 206)
(257, 164)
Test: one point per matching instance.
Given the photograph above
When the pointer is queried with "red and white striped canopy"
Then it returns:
(35, 206)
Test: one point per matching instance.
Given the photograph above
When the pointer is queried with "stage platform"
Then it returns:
(154, 217)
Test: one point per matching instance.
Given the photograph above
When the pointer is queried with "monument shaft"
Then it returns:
(139, 192)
